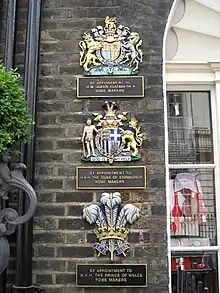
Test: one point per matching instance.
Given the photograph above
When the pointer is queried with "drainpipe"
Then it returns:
(10, 34)
(24, 283)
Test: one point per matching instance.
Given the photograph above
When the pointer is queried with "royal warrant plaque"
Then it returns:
(111, 275)
(123, 177)
(110, 87)
(110, 57)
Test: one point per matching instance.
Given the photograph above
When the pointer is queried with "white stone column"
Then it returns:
(215, 95)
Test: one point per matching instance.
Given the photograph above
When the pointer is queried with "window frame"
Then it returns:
(195, 76)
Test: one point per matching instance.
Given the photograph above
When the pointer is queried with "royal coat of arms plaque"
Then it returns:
(110, 57)
(111, 50)
(111, 137)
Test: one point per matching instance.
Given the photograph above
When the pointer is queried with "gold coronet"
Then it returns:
(110, 25)
(111, 232)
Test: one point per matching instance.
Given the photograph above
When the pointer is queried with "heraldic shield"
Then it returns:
(111, 137)
(111, 50)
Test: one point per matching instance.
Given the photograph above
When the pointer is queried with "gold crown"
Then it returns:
(110, 25)
(111, 232)
(110, 108)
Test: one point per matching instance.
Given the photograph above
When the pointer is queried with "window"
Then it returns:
(190, 128)
(192, 188)
(193, 142)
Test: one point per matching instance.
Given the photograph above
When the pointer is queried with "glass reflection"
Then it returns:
(197, 271)
(192, 207)
(189, 128)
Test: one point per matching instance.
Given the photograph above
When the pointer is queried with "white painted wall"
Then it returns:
(194, 34)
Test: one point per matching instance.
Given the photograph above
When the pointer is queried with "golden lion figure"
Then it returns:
(91, 46)
(132, 138)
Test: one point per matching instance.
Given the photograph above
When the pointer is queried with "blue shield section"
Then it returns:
(111, 139)
(115, 134)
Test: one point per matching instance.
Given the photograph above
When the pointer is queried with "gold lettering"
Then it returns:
(100, 181)
(116, 90)
(100, 91)
(102, 280)
(115, 181)
(135, 275)
(117, 280)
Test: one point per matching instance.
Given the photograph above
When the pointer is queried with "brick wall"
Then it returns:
(61, 237)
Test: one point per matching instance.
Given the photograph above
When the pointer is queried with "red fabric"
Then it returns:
(176, 213)
(186, 261)
(190, 263)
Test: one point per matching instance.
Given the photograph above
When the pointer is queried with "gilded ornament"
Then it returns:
(111, 220)
(111, 137)
(111, 50)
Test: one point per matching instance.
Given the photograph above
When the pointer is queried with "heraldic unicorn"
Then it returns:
(111, 220)
(111, 50)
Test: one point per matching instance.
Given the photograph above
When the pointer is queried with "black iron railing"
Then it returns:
(190, 145)
(188, 279)
(196, 226)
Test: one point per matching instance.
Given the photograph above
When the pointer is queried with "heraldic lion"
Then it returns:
(91, 46)
(132, 138)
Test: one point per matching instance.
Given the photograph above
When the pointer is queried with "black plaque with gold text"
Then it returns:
(110, 87)
(117, 177)
(111, 275)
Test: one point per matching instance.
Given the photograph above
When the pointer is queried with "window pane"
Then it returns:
(189, 128)
(192, 207)
(199, 269)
